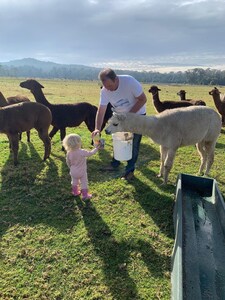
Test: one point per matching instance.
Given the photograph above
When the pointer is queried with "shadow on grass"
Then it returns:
(159, 207)
(116, 255)
(219, 146)
(94, 166)
(33, 193)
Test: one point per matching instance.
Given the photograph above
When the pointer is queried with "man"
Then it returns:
(125, 94)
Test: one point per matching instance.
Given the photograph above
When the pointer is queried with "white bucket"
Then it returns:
(122, 145)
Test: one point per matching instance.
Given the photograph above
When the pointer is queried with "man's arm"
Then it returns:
(141, 100)
(99, 119)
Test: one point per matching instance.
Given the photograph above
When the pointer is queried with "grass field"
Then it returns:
(118, 246)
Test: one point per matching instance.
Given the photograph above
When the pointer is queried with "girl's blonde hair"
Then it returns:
(72, 141)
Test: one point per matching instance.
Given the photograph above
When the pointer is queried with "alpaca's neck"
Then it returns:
(182, 97)
(157, 103)
(40, 97)
(156, 97)
(3, 101)
(139, 124)
(217, 101)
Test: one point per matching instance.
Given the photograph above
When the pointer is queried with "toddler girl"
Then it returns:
(77, 162)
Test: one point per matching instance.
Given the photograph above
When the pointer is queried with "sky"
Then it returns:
(126, 34)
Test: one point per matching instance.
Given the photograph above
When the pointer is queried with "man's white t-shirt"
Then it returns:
(123, 99)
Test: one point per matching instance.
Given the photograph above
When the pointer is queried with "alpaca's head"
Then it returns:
(154, 89)
(214, 91)
(116, 123)
(181, 92)
(31, 85)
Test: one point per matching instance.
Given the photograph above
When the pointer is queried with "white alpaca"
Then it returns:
(174, 128)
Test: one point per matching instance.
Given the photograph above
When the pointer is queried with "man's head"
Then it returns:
(109, 79)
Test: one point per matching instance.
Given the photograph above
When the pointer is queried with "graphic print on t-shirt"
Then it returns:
(122, 103)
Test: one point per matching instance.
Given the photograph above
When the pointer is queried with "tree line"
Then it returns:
(197, 76)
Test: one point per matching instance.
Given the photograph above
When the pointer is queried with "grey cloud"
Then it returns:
(91, 31)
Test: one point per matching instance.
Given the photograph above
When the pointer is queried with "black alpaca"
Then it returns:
(162, 105)
(66, 115)
(182, 94)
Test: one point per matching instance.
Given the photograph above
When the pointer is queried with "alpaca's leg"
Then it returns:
(10, 146)
(168, 164)
(163, 154)
(210, 147)
(62, 135)
(223, 120)
(203, 155)
(43, 134)
(14, 144)
(28, 136)
(53, 132)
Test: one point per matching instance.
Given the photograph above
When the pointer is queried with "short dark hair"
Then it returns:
(107, 74)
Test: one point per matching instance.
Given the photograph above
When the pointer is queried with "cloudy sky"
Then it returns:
(141, 34)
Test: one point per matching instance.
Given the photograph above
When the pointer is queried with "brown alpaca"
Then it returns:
(163, 105)
(24, 116)
(17, 99)
(14, 100)
(219, 103)
(182, 94)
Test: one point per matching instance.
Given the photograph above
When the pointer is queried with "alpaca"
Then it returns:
(24, 116)
(172, 129)
(14, 100)
(219, 103)
(3, 101)
(66, 115)
(182, 94)
(17, 99)
(162, 105)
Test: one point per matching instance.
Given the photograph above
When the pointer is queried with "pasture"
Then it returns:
(117, 246)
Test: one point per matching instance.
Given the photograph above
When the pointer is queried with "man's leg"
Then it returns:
(135, 151)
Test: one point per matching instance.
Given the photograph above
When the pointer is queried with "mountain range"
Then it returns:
(44, 65)
(33, 68)
(30, 67)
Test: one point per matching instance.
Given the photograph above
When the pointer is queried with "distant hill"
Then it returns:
(45, 65)
(30, 67)
(33, 68)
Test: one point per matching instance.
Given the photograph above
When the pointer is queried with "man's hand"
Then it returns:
(96, 131)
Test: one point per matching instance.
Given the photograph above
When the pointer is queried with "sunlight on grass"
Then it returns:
(116, 246)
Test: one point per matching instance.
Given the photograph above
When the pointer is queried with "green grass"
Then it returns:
(118, 245)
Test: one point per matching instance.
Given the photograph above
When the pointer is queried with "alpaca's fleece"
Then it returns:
(14, 100)
(172, 129)
(17, 118)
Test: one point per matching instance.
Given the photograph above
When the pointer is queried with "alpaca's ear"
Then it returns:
(119, 116)
(41, 86)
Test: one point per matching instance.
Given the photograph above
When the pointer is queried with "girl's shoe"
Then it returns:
(75, 191)
(85, 194)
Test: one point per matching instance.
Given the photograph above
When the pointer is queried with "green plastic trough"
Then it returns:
(198, 259)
